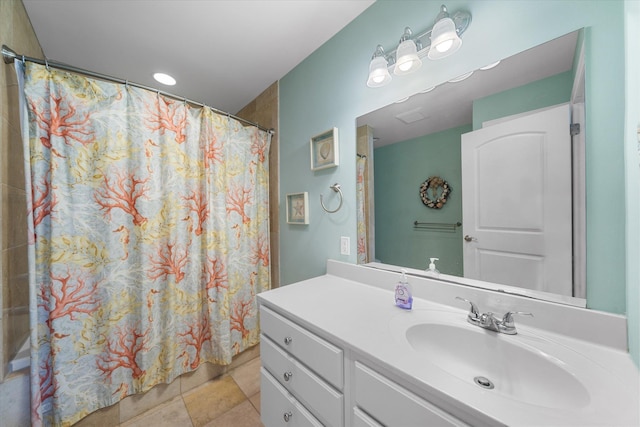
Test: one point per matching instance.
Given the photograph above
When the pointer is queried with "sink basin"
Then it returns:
(499, 363)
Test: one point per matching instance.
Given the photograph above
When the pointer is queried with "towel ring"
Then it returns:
(335, 187)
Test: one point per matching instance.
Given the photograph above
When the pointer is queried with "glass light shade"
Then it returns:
(444, 39)
(378, 72)
(407, 60)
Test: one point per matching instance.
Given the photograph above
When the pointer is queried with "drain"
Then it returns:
(483, 382)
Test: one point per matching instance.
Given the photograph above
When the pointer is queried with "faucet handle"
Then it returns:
(473, 312)
(489, 321)
(507, 319)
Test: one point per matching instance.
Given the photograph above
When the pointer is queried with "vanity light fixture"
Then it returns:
(378, 71)
(407, 60)
(444, 36)
(440, 41)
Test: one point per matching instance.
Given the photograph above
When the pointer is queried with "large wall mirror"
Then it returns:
(500, 139)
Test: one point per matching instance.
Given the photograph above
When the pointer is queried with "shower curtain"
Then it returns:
(361, 195)
(148, 239)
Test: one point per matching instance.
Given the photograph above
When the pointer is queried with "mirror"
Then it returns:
(414, 142)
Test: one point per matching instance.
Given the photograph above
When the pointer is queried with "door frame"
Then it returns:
(578, 143)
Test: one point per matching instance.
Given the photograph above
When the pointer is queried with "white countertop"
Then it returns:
(360, 317)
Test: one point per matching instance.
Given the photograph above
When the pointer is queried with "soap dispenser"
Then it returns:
(432, 271)
(403, 296)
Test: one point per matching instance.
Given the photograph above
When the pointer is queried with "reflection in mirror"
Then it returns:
(482, 173)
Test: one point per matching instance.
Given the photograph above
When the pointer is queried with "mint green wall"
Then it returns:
(399, 169)
(632, 157)
(328, 89)
(539, 94)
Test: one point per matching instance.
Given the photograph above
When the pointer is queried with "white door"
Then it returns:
(516, 202)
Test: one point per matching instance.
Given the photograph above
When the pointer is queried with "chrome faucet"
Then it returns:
(489, 321)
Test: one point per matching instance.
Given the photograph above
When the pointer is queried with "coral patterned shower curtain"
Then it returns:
(148, 226)
(361, 194)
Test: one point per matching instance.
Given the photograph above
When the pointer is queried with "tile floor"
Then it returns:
(232, 400)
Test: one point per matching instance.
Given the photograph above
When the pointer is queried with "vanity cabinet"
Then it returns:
(280, 408)
(360, 419)
(303, 384)
(302, 376)
(337, 352)
(382, 400)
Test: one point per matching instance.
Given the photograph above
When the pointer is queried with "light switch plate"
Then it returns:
(345, 245)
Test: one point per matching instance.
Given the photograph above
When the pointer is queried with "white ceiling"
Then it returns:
(223, 53)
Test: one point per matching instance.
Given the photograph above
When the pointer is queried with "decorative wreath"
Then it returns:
(434, 183)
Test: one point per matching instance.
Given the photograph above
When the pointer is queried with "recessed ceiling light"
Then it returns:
(165, 79)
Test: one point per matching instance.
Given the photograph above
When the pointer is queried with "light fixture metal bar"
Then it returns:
(461, 19)
(9, 56)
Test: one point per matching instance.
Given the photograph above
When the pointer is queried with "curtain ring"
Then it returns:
(46, 64)
(335, 187)
(23, 60)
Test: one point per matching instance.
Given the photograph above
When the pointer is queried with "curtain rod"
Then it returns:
(9, 56)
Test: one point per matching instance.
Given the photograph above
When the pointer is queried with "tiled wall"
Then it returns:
(15, 32)
(264, 111)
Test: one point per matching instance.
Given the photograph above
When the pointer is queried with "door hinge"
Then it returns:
(574, 129)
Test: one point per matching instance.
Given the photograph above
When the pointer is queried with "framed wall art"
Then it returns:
(298, 208)
(324, 150)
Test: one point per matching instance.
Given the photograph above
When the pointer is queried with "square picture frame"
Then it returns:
(324, 150)
(298, 208)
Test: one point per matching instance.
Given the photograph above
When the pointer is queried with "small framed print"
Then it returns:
(298, 208)
(324, 150)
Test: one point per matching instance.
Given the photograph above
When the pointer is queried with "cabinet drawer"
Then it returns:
(315, 394)
(393, 405)
(360, 419)
(322, 357)
(279, 408)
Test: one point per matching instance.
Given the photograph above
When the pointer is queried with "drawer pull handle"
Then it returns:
(287, 340)
(288, 375)
(287, 416)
